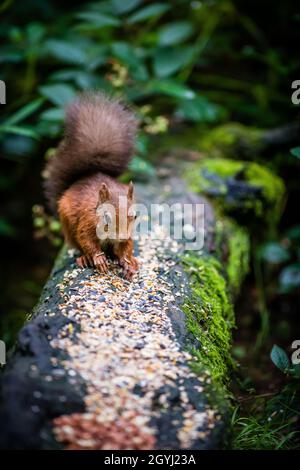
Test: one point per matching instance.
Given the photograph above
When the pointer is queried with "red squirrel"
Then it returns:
(80, 178)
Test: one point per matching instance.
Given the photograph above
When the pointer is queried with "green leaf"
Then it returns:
(280, 358)
(35, 32)
(169, 60)
(59, 94)
(98, 19)
(24, 112)
(53, 114)
(274, 253)
(171, 87)
(24, 131)
(128, 55)
(121, 6)
(295, 152)
(125, 52)
(289, 278)
(18, 146)
(175, 33)
(65, 51)
(48, 129)
(150, 11)
(198, 110)
(8, 55)
(81, 78)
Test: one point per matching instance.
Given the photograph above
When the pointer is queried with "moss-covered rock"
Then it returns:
(240, 188)
(237, 141)
(233, 140)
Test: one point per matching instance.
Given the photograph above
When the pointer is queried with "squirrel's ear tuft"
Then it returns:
(130, 190)
(103, 193)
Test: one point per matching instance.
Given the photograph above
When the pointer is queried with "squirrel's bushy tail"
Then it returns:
(99, 136)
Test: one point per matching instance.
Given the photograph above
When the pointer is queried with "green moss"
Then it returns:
(272, 186)
(237, 264)
(232, 140)
(242, 186)
(210, 317)
(221, 166)
(209, 307)
(232, 245)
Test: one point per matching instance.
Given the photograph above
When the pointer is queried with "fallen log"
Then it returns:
(106, 364)
(235, 140)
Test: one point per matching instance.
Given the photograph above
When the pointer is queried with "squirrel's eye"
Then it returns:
(132, 215)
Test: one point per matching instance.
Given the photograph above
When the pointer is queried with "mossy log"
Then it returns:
(237, 141)
(106, 364)
(245, 190)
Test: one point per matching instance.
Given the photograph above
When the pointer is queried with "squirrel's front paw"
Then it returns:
(100, 262)
(130, 267)
(84, 262)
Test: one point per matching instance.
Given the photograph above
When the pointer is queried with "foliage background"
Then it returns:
(185, 67)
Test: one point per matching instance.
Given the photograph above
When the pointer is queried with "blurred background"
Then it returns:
(187, 67)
